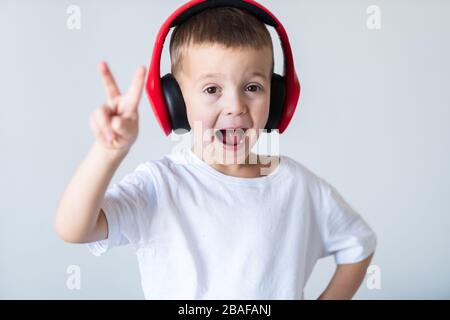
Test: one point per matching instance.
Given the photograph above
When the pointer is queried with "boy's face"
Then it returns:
(226, 88)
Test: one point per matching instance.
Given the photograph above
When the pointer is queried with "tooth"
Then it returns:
(230, 132)
(240, 133)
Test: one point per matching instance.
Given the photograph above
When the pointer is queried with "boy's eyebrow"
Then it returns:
(208, 75)
(258, 74)
(213, 75)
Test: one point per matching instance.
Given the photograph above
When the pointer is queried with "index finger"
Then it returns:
(112, 91)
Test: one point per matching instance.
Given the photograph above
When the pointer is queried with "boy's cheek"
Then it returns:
(261, 116)
(199, 114)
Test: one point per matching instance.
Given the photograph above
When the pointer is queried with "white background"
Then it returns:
(373, 120)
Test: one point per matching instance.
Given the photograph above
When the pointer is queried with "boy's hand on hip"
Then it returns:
(116, 123)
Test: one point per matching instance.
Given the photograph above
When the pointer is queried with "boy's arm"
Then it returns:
(79, 217)
(346, 280)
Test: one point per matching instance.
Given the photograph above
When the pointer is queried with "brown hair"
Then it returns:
(227, 26)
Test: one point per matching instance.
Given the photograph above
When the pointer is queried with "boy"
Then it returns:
(205, 226)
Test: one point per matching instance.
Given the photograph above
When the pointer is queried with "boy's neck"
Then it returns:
(246, 169)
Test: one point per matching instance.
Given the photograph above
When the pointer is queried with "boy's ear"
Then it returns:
(277, 97)
(175, 103)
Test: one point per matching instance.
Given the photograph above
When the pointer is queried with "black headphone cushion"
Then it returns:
(175, 102)
(277, 97)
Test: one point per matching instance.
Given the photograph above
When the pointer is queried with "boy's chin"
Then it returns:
(224, 154)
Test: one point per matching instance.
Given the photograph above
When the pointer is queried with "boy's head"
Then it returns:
(222, 59)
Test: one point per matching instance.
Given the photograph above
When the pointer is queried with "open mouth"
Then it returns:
(231, 137)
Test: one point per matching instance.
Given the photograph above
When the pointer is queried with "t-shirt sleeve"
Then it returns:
(344, 232)
(128, 206)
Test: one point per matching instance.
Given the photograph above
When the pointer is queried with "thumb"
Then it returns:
(123, 126)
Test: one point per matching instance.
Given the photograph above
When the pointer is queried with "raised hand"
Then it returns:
(116, 123)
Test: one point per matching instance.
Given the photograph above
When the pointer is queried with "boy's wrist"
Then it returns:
(110, 154)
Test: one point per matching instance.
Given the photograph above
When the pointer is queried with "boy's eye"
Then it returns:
(253, 88)
(211, 90)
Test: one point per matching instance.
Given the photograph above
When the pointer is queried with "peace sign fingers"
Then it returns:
(116, 124)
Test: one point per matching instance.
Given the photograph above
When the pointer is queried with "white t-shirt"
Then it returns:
(200, 234)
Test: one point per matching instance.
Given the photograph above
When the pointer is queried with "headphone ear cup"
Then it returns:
(174, 102)
(277, 97)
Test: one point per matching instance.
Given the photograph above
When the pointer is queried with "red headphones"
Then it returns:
(165, 94)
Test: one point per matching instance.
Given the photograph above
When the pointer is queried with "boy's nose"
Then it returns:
(235, 106)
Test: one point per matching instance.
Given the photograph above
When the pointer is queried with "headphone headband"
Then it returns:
(153, 85)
